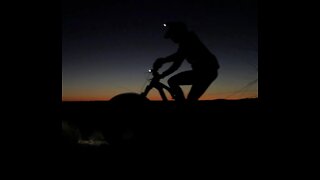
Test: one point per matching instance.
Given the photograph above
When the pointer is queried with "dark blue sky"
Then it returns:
(108, 46)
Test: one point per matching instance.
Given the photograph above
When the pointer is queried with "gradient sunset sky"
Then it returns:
(108, 46)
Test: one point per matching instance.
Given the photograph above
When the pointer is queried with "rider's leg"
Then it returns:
(183, 78)
(177, 92)
(200, 85)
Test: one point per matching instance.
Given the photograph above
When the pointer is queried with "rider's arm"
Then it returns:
(176, 64)
(177, 59)
(172, 58)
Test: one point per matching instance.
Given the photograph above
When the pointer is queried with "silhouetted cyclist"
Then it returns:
(204, 64)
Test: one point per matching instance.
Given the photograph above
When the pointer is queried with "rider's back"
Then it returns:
(197, 54)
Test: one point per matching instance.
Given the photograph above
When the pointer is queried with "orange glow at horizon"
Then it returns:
(156, 97)
(217, 91)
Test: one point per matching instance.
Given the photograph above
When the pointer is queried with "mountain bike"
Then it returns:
(155, 83)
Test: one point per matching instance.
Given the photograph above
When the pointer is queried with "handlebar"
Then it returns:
(155, 73)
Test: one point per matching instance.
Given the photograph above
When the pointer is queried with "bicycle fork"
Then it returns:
(160, 88)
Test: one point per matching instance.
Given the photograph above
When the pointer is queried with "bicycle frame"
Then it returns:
(155, 83)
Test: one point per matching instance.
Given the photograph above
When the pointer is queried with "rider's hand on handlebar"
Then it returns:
(158, 63)
(156, 75)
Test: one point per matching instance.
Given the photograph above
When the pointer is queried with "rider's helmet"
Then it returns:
(174, 29)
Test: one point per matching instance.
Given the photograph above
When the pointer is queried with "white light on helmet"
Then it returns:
(165, 25)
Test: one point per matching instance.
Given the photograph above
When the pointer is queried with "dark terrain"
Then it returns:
(208, 127)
